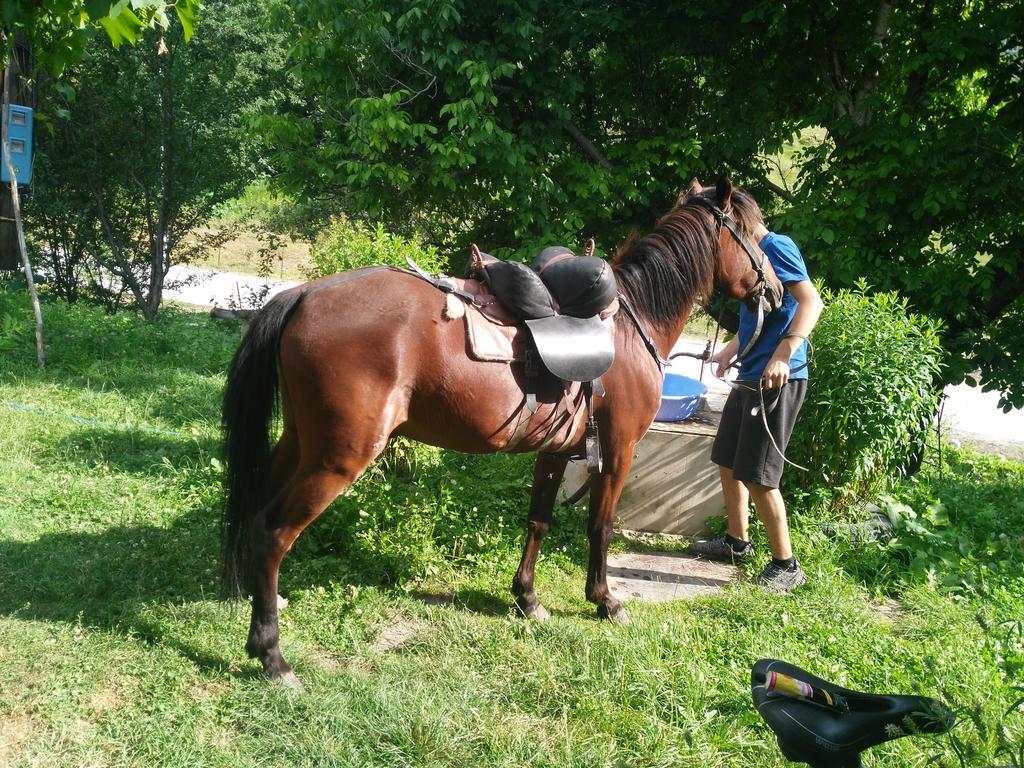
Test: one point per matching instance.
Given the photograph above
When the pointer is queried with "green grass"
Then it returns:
(116, 649)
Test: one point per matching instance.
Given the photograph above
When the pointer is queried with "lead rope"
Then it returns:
(764, 409)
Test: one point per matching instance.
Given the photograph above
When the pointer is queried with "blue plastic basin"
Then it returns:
(680, 396)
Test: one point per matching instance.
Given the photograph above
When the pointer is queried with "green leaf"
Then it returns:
(124, 28)
(188, 15)
(65, 90)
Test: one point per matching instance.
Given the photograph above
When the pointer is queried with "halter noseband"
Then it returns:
(724, 219)
(757, 292)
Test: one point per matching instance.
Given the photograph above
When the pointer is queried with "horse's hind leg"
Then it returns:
(313, 486)
(547, 474)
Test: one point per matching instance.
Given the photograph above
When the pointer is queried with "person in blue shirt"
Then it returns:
(750, 460)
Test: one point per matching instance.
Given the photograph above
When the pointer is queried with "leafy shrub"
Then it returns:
(871, 396)
(956, 529)
(345, 244)
(450, 509)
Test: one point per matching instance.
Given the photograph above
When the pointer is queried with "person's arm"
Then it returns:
(808, 310)
(724, 357)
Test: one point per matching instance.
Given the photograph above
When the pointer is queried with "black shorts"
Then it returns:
(742, 444)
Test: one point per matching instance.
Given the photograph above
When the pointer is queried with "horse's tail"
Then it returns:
(250, 401)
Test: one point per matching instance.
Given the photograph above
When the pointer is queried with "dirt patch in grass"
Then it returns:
(207, 690)
(105, 699)
(324, 659)
(396, 634)
(16, 730)
(887, 610)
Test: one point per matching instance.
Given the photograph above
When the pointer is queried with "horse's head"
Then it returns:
(741, 268)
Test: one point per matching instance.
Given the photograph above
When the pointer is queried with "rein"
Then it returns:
(645, 337)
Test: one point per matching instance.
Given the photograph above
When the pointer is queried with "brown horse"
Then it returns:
(370, 355)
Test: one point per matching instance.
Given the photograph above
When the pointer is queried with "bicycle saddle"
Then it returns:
(826, 726)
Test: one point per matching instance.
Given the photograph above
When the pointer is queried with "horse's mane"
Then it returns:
(672, 267)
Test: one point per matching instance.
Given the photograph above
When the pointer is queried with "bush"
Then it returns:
(345, 244)
(265, 210)
(871, 397)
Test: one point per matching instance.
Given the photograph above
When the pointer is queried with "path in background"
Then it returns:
(970, 415)
(230, 290)
(974, 417)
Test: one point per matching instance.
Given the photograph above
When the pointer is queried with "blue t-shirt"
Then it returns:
(789, 266)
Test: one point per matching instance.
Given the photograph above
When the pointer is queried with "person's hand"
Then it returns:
(775, 375)
(721, 361)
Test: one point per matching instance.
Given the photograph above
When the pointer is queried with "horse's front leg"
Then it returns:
(605, 490)
(547, 474)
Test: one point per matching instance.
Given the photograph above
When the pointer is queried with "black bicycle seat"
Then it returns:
(828, 726)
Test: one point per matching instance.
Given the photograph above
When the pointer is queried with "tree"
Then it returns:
(916, 184)
(515, 123)
(146, 142)
(526, 123)
(58, 30)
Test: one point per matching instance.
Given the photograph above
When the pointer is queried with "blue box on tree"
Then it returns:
(19, 124)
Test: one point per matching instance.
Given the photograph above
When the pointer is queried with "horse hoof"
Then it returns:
(282, 603)
(537, 613)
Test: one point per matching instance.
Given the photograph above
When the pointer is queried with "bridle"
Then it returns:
(723, 219)
(757, 293)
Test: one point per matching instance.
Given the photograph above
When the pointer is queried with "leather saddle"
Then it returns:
(827, 726)
(559, 299)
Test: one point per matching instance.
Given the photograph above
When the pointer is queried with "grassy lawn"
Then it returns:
(242, 254)
(116, 649)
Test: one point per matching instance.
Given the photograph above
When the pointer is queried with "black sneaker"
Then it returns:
(779, 578)
(721, 549)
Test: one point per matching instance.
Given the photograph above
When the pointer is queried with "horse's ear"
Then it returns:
(695, 188)
(588, 249)
(723, 191)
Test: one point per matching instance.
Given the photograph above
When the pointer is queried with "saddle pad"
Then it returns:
(494, 342)
(492, 333)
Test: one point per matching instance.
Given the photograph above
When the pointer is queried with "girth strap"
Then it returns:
(592, 441)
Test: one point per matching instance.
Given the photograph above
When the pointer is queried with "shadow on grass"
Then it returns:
(130, 579)
(136, 451)
(113, 579)
(474, 600)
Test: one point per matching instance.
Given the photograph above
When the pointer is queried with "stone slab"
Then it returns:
(660, 576)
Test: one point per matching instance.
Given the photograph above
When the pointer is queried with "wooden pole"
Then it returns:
(16, 202)
(19, 67)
